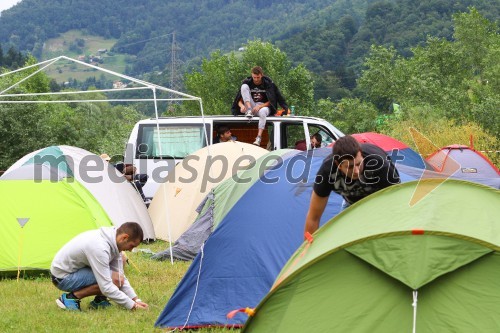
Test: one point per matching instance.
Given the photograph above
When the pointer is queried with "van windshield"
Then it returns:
(175, 141)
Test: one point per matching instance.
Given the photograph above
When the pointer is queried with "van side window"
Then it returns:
(326, 136)
(177, 141)
(244, 131)
(291, 133)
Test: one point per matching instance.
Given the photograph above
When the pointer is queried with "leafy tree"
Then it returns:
(23, 127)
(13, 59)
(474, 35)
(298, 90)
(450, 76)
(332, 36)
(97, 127)
(220, 78)
(214, 83)
(350, 115)
(378, 82)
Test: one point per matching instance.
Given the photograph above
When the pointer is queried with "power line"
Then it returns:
(146, 40)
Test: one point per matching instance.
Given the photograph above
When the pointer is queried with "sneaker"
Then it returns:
(257, 141)
(66, 303)
(249, 114)
(99, 303)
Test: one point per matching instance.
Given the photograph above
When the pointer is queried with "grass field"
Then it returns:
(64, 71)
(28, 305)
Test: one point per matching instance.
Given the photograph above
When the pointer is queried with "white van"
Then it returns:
(181, 136)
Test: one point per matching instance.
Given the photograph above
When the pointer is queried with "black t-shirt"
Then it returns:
(378, 173)
(258, 92)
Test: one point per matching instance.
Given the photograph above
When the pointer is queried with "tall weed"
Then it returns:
(442, 132)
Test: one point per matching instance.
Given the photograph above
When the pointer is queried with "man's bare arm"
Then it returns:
(316, 209)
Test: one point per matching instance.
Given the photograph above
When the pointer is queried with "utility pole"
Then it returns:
(172, 64)
(175, 75)
(175, 79)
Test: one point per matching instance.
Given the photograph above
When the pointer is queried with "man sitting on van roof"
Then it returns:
(258, 95)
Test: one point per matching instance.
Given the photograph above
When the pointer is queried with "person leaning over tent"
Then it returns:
(90, 265)
(258, 95)
(129, 172)
(224, 135)
(137, 180)
(352, 170)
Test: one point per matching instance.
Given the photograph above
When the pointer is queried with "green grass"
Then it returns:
(28, 305)
(62, 71)
(60, 45)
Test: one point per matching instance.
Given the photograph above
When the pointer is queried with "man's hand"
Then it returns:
(140, 305)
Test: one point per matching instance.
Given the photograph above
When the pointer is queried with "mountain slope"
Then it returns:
(144, 28)
(331, 38)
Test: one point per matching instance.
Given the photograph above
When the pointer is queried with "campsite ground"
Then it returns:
(28, 305)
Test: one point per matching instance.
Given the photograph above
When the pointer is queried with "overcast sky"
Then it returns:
(5, 4)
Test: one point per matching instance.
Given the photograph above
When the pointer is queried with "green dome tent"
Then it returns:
(384, 265)
(117, 197)
(39, 217)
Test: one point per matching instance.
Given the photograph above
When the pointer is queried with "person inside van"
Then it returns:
(258, 96)
(315, 142)
(224, 135)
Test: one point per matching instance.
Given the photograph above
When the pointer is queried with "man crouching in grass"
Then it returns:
(91, 265)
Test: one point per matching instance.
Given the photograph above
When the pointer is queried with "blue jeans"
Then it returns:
(80, 279)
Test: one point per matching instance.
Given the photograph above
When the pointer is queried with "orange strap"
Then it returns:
(248, 311)
(308, 237)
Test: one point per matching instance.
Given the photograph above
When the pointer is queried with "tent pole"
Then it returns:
(414, 304)
(21, 240)
(27, 77)
(161, 155)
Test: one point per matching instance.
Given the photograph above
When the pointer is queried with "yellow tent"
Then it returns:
(173, 208)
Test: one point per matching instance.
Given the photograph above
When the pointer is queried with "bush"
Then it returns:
(441, 132)
(350, 115)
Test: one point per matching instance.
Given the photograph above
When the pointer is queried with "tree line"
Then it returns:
(13, 59)
(447, 88)
(26, 127)
(330, 39)
(450, 86)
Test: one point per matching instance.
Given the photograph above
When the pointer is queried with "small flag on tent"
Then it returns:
(22, 221)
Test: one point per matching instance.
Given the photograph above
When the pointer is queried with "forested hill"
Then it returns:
(329, 37)
(144, 27)
(337, 48)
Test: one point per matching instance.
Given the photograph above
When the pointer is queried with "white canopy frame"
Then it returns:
(143, 85)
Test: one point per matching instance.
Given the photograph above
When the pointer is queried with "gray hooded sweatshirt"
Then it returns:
(96, 249)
